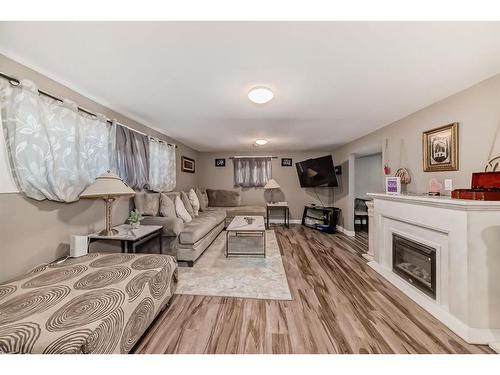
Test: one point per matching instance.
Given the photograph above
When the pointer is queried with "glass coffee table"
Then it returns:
(246, 236)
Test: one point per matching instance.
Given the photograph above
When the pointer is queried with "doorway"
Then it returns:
(368, 178)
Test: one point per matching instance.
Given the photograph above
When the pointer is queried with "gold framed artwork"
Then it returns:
(440, 148)
(187, 164)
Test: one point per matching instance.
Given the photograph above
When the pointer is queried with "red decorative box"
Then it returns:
(485, 186)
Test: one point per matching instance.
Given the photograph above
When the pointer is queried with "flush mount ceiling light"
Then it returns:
(260, 95)
(260, 142)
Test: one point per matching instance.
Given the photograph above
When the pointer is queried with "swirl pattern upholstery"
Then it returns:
(98, 303)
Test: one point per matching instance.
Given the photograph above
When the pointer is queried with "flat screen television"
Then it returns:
(317, 172)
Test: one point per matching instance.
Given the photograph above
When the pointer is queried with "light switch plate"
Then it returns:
(448, 184)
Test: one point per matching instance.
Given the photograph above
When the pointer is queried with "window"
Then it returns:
(252, 171)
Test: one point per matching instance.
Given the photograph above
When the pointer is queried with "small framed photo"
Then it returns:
(393, 185)
(440, 148)
(286, 162)
(187, 164)
(220, 162)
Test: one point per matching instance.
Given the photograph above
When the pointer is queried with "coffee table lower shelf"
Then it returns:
(241, 236)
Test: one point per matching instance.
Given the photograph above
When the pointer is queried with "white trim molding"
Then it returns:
(280, 221)
(347, 232)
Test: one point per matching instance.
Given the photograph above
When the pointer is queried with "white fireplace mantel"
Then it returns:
(466, 236)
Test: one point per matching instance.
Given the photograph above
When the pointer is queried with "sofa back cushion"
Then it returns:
(167, 207)
(223, 198)
(148, 204)
(187, 204)
(181, 210)
(203, 198)
(195, 202)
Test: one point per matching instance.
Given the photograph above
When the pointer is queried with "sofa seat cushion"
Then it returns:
(241, 211)
(172, 226)
(192, 252)
(219, 215)
(200, 226)
(96, 303)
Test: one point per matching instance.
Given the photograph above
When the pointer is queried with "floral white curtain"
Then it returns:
(252, 172)
(162, 172)
(55, 150)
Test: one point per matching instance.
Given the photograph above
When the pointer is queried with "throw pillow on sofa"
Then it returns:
(195, 203)
(223, 198)
(181, 210)
(203, 198)
(187, 204)
(148, 204)
(167, 206)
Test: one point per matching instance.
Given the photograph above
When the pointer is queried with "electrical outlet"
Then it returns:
(448, 184)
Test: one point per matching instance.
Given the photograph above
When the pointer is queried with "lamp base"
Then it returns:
(106, 233)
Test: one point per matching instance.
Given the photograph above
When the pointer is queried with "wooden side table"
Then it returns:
(282, 206)
(130, 237)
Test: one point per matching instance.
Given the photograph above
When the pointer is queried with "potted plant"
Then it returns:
(134, 219)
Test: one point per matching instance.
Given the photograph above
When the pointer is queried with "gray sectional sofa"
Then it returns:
(188, 240)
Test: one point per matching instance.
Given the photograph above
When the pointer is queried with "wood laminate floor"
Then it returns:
(340, 306)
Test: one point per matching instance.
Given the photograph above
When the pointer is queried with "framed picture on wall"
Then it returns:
(220, 162)
(286, 162)
(440, 148)
(187, 164)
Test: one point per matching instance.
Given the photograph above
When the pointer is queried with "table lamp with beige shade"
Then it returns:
(107, 187)
(272, 185)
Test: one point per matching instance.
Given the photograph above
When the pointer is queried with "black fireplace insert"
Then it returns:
(415, 262)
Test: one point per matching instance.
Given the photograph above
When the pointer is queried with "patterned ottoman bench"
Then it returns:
(97, 303)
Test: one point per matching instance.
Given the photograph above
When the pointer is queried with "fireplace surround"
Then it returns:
(462, 237)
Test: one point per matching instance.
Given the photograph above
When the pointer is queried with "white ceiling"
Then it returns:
(333, 81)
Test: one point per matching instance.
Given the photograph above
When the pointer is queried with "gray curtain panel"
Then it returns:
(132, 157)
(252, 172)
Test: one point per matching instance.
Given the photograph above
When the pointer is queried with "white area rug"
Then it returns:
(247, 277)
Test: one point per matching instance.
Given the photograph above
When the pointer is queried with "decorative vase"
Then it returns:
(135, 225)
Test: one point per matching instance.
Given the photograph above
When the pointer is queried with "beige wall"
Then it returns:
(213, 177)
(477, 109)
(32, 232)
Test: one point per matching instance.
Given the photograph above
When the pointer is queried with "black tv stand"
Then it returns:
(322, 218)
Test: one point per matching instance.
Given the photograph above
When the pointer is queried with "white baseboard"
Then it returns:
(471, 335)
(347, 232)
(280, 221)
(367, 257)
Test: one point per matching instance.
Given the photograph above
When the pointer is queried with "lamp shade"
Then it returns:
(272, 184)
(107, 185)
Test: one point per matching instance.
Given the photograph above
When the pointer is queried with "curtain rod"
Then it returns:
(15, 82)
(252, 156)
